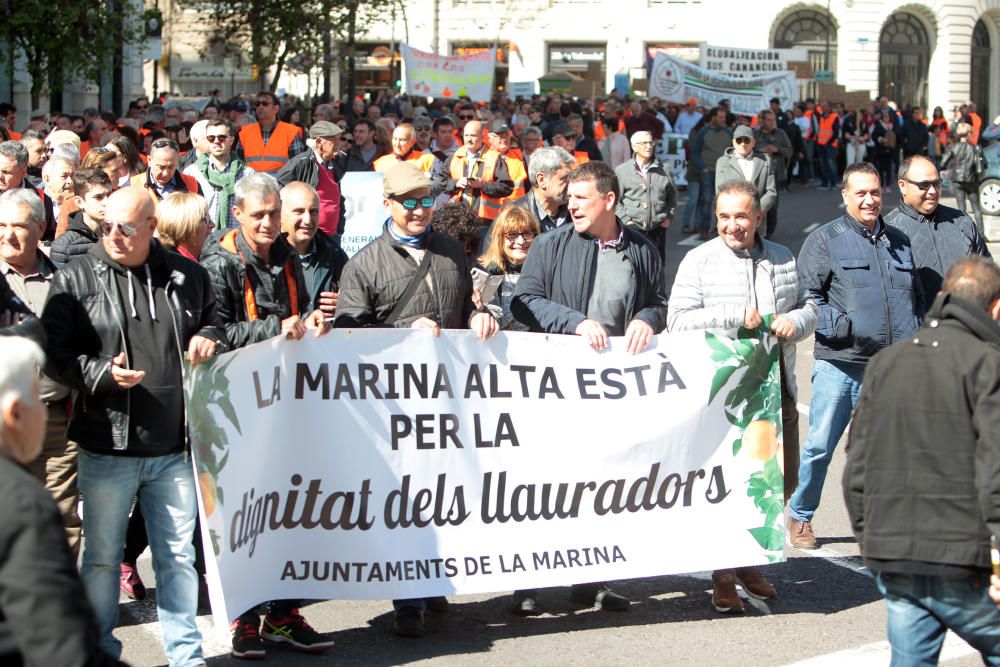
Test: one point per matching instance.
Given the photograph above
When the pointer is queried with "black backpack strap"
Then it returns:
(411, 288)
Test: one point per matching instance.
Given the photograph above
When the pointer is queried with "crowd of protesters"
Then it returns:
(127, 244)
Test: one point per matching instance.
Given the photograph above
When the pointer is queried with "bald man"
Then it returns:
(122, 354)
(404, 149)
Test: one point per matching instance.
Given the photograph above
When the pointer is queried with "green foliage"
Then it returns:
(207, 385)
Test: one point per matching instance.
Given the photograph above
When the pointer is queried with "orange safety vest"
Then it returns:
(977, 125)
(581, 157)
(228, 242)
(489, 207)
(518, 174)
(84, 149)
(271, 157)
(424, 161)
(825, 134)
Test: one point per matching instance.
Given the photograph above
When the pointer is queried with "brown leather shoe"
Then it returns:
(754, 583)
(800, 534)
(724, 595)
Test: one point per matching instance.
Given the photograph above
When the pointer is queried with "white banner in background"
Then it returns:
(450, 77)
(365, 214)
(388, 463)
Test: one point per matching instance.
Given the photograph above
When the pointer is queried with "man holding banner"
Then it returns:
(411, 277)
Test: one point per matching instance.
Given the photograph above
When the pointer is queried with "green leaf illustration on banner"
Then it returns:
(754, 406)
(207, 385)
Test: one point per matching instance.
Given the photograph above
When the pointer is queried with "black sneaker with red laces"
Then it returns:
(246, 641)
(294, 631)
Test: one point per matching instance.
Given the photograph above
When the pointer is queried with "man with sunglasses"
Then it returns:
(119, 320)
(741, 162)
(162, 176)
(217, 172)
(940, 235)
(269, 143)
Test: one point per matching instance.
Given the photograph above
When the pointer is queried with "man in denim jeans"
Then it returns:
(922, 481)
(860, 275)
(119, 320)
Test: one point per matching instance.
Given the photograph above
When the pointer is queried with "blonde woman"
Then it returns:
(183, 223)
(510, 238)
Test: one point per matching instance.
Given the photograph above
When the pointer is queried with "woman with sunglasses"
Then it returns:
(510, 238)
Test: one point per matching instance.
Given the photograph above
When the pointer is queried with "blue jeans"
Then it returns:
(835, 388)
(827, 165)
(921, 608)
(690, 216)
(706, 201)
(165, 488)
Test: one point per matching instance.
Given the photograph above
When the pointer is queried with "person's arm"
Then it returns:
(531, 305)
(654, 311)
(770, 196)
(815, 274)
(670, 195)
(501, 185)
(803, 316)
(699, 142)
(784, 144)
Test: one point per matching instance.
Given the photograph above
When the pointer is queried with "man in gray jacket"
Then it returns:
(739, 279)
(741, 163)
(775, 143)
(649, 198)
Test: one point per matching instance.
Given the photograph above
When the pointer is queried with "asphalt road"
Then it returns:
(827, 611)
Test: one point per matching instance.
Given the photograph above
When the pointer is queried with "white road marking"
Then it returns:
(811, 228)
(693, 240)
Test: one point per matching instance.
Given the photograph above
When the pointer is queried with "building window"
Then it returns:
(904, 50)
(815, 32)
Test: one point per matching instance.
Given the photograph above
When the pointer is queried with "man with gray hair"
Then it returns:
(38, 577)
(29, 273)
(13, 173)
(548, 169)
(649, 198)
(198, 144)
(261, 293)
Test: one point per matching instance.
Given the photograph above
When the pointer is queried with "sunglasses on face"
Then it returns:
(524, 236)
(925, 185)
(411, 203)
(262, 103)
(217, 138)
(469, 117)
(744, 140)
(127, 229)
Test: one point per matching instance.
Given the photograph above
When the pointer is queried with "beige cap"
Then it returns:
(57, 137)
(325, 128)
(402, 178)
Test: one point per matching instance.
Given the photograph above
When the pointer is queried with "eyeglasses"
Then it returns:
(744, 140)
(347, 139)
(262, 103)
(217, 138)
(411, 203)
(127, 229)
(643, 143)
(467, 117)
(569, 137)
(511, 237)
(926, 185)
(165, 143)
(143, 107)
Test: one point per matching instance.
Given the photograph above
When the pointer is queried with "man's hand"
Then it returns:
(594, 332)
(328, 303)
(316, 322)
(995, 589)
(125, 378)
(293, 328)
(770, 148)
(200, 349)
(461, 183)
(783, 328)
(752, 319)
(426, 323)
(665, 223)
(638, 336)
(485, 325)
(473, 183)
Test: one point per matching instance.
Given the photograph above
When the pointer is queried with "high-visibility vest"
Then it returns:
(977, 125)
(424, 161)
(825, 134)
(271, 157)
(518, 174)
(228, 243)
(84, 149)
(581, 157)
(488, 207)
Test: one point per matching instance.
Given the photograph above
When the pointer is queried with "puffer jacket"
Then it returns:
(727, 168)
(645, 204)
(267, 279)
(85, 322)
(864, 286)
(714, 287)
(558, 278)
(73, 242)
(938, 241)
(962, 159)
(376, 277)
(922, 480)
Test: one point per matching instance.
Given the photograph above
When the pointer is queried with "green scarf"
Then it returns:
(224, 183)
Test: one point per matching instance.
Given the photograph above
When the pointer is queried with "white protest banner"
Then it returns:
(670, 151)
(386, 463)
(523, 89)
(365, 214)
(676, 80)
(739, 62)
(450, 77)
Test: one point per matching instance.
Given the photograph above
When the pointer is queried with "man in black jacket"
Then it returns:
(92, 188)
(38, 577)
(922, 482)
(261, 293)
(119, 321)
(595, 278)
(323, 168)
(939, 235)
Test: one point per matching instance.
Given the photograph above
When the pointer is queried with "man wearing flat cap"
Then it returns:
(412, 277)
(499, 138)
(742, 163)
(404, 149)
(322, 167)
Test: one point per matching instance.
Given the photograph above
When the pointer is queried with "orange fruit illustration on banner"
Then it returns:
(760, 440)
(208, 495)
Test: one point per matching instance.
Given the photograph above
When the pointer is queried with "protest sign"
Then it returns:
(739, 62)
(670, 151)
(676, 80)
(450, 77)
(365, 215)
(389, 463)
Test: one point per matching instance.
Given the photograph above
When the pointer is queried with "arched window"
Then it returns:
(979, 73)
(904, 53)
(813, 31)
